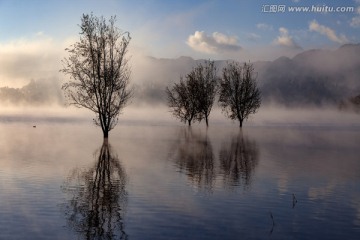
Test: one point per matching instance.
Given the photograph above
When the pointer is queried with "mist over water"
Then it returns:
(160, 114)
(292, 171)
(162, 179)
(312, 78)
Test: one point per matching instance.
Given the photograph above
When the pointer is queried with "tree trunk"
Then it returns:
(189, 121)
(207, 121)
(241, 122)
(106, 134)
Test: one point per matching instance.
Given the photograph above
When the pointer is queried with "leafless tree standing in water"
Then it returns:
(239, 94)
(99, 70)
(182, 100)
(192, 99)
(207, 81)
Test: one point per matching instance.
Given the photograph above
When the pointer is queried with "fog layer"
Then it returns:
(312, 78)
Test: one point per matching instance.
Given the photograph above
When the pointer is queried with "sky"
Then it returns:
(34, 33)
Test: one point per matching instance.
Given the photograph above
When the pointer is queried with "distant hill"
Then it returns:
(312, 78)
(35, 93)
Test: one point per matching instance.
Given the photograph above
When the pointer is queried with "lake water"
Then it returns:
(60, 181)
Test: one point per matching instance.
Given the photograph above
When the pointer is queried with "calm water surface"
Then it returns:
(60, 181)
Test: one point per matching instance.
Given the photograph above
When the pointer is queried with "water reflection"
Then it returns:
(238, 160)
(195, 156)
(97, 197)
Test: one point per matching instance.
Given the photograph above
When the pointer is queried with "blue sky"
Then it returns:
(228, 29)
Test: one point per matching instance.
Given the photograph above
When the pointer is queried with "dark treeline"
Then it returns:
(36, 92)
(350, 104)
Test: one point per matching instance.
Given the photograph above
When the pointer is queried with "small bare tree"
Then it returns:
(182, 100)
(239, 94)
(99, 71)
(206, 78)
(192, 99)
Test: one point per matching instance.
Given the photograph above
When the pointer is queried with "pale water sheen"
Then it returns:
(172, 182)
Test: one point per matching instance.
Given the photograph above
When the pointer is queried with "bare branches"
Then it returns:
(239, 94)
(182, 101)
(207, 80)
(193, 98)
(99, 70)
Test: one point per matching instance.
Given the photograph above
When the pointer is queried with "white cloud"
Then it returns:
(29, 58)
(253, 37)
(328, 32)
(264, 26)
(216, 43)
(355, 21)
(285, 40)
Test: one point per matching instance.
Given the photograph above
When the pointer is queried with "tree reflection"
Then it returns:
(97, 197)
(195, 156)
(238, 160)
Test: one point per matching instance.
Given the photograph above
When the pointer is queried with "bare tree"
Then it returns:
(207, 81)
(239, 94)
(99, 71)
(192, 99)
(182, 100)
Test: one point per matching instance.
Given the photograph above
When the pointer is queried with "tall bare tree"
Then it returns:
(239, 94)
(99, 70)
(206, 79)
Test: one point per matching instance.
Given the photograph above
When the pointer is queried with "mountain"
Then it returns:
(312, 78)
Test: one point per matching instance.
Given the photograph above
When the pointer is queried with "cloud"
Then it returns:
(285, 40)
(29, 58)
(328, 32)
(264, 26)
(253, 37)
(216, 43)
(355, 21)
